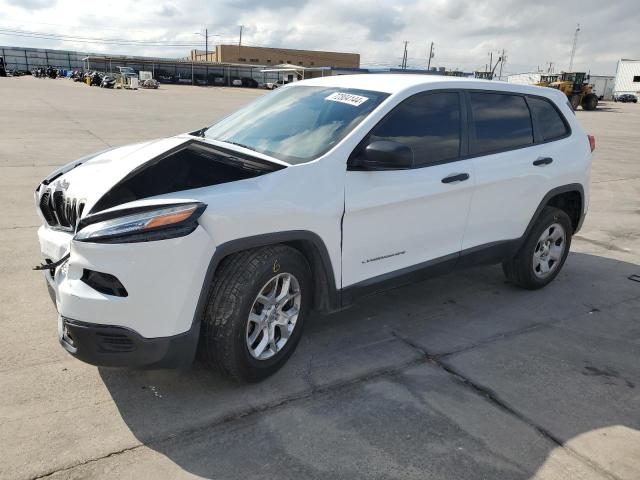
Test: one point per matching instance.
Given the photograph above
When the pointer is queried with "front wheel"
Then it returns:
(256, 312)
(590, 102)
(574, 100)
(543, 253)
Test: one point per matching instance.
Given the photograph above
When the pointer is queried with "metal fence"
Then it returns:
(26, 59)
(179, 71)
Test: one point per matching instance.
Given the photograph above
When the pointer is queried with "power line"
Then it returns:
(106, 41)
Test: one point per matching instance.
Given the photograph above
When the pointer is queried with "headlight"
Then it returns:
(143, 224)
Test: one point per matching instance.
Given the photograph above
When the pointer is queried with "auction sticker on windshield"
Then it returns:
(348, 98)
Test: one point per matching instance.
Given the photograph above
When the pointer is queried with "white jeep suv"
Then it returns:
(315, 195)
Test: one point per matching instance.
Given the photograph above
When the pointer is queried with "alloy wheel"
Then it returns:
(273, 316)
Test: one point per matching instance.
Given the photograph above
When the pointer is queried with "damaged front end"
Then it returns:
(108, 180)
(123, 255)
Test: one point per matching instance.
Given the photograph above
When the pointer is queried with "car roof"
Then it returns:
(398, 82)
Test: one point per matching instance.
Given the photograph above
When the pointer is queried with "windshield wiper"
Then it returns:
(238, 145)
(199, 133)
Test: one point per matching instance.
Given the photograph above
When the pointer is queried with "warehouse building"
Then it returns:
(242, 54)
(627, 76)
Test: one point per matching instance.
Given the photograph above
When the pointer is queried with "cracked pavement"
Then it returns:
(458, 377)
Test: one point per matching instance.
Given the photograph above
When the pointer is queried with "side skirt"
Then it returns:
(489, 254)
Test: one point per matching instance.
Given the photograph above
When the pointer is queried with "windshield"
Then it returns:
(296, 124)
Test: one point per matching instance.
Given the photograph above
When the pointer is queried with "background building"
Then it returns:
(276, 56)
(627, 76)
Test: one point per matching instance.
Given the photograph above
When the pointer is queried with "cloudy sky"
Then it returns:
(532, 33)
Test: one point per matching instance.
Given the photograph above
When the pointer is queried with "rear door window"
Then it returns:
(501, 122)
(550, 122)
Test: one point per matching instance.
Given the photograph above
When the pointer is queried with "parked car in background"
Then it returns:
(309, 198)
(219, 80)
(625, 98)
(127, 72)
(274, 85)
(249, 82)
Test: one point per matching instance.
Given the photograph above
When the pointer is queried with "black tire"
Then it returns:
(590, 102)
(520, 269)
(574, 100)
(237, 283)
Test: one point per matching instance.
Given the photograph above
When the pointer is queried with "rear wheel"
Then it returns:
(256, 312)
(543, 253)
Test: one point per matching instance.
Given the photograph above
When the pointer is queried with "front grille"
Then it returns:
(59, 210)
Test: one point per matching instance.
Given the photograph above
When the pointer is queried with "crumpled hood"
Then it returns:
(89, 181)
(145, 170)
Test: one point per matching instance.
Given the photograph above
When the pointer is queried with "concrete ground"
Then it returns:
(459, 377)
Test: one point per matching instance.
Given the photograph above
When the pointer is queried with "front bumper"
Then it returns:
(113, 346)
(155, 322)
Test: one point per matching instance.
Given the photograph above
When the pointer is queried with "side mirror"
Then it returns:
(386, 155)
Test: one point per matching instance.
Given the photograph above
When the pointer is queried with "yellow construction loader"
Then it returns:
(575, 85)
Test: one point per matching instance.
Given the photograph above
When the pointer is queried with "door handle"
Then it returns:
(543, 161)
(458, 177)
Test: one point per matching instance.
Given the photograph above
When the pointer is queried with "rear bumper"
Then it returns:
(115, 346)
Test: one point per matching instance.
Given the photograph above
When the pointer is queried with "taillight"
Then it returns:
(592, 142)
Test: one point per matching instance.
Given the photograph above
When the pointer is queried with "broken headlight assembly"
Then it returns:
(143, 224)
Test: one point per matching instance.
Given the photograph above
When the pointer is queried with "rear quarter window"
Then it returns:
(550, 121)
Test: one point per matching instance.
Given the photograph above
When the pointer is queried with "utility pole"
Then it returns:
(240, 40)
(573, 49)
(404, 56)
(206, 44)
(503, 58)
(491, 63)
(431, 55)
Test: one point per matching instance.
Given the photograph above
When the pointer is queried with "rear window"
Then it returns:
(550, 122)
(501, 122)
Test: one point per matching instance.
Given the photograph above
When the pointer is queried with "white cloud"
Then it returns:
(532, 33)
(31, 5)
